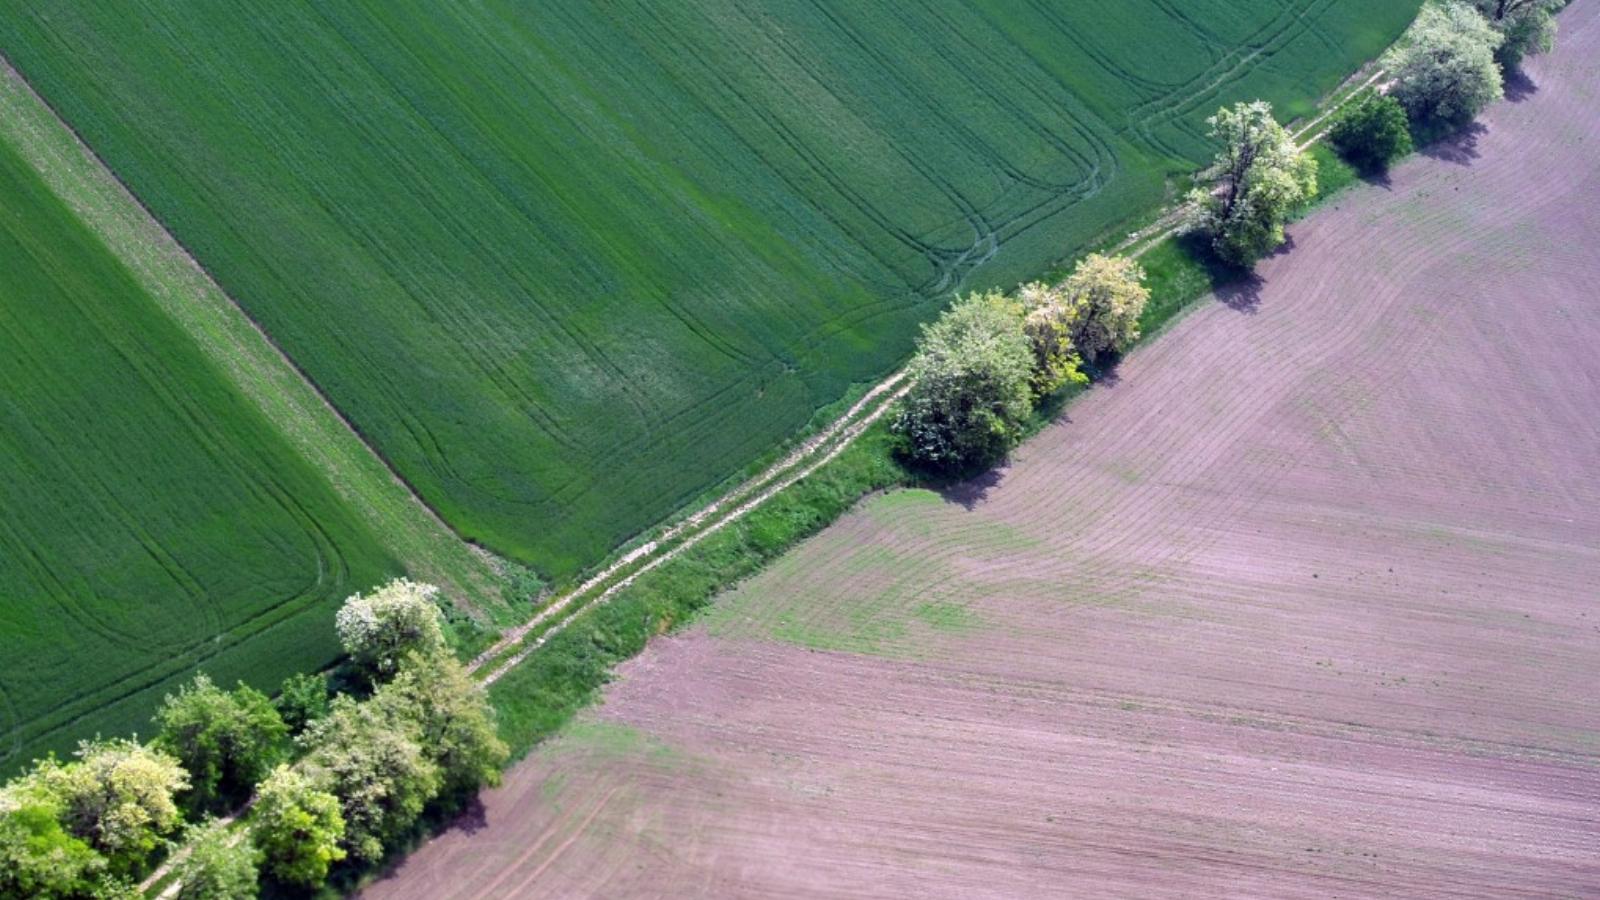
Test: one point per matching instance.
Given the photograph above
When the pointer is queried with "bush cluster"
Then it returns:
(367, 770)
(980, 367)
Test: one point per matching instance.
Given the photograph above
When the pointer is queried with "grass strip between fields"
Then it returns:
(236, 346)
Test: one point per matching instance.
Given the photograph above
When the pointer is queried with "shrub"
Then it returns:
(970, 391)
(1372, 133)
(1257, 180)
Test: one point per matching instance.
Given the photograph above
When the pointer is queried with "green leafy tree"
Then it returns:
(1045, 322)
(302, 699)
(297, 828)
(1105, 296)
(1372, 133)
(455, 723)
(38, 858)
(220, 865)
(1528, 26)
(118, 797)
(1258, 179)
(1444, 67)
(379, 629)
(970, 391)
(225, 739)
(374, 762)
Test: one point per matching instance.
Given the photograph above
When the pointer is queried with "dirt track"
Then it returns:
(1304, 604)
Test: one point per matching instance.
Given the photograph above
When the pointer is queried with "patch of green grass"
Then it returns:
(1334, 176)
(567, 266)
(944, 616)
(154, 523)
(1178, 271)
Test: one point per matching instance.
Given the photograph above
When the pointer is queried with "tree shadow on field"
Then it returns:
(973, 491)
(1243, 294)
(1377, 178)
(1519, 86)
(1459, 148)
(473, 818)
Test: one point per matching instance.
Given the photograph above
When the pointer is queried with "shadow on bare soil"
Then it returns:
(973, 491)
(1242, 292)
(1460, 148)
(472, 819)
(1519, 86)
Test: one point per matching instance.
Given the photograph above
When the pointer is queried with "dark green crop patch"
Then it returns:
(151, 523)
(567, 265)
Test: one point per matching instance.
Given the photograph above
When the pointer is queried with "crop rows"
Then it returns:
(568, 266)
(153, 522)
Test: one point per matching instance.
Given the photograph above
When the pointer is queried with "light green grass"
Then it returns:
(567, 266)
(154, 522)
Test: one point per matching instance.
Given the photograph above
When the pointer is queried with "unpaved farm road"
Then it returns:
(1305, 603)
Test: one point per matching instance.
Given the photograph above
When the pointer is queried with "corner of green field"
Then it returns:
(242, 354)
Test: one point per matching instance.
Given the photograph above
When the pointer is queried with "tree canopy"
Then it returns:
(1106, 295)
(302, 699)
(297, 828)
(456, 724)
(1528, 26)
(1259, 178)
(378, 629)
(226, 740)
(220, 865)
(1372, 133)
(38, 857)
(971, 390)
(1444, 67)
(374, 762)
(1046, 320)
(117, 796)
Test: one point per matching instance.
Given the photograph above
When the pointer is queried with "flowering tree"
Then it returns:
(1259, 177)
(378, 629)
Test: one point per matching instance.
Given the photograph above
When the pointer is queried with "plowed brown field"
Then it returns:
(1305, 603)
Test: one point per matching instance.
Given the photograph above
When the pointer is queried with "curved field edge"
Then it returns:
(237, 347)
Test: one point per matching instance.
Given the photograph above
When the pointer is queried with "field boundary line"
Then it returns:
(845, 439)
(242, 351)
(706, 520)
(495, 661)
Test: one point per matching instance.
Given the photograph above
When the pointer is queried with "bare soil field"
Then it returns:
(1305, 602)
